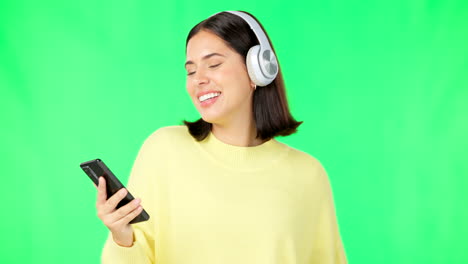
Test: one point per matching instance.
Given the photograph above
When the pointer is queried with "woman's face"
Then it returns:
(215, 69)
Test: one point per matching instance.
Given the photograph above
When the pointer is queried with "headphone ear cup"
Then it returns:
(253, 67)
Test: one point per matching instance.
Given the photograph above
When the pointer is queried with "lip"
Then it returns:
(209, 102)
(206, 92)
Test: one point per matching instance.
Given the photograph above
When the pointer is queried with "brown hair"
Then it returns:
(270, 107)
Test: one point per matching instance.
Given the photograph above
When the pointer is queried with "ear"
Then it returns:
(252, 85)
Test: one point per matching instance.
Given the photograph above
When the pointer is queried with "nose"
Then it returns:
(200, 77)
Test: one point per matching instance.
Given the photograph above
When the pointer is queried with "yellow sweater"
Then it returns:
(210, 203)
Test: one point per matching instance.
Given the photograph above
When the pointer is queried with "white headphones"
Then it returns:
(261, 62)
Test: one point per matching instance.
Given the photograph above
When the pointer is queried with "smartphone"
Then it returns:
(96, 168)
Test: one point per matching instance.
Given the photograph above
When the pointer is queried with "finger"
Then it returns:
(96, 185)
(116, 198)
(126, 209)
(102, 193)
(129, 217)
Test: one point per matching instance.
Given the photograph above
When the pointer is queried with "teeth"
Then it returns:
(208, 96)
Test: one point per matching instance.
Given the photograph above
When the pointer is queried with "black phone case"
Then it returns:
(96, 168)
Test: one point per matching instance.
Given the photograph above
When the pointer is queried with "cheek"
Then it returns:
(191, 92)
(190, 88)
(230, 76)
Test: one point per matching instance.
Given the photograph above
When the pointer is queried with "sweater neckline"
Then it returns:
(243, 158)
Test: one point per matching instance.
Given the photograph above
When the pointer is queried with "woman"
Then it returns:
(222, 189)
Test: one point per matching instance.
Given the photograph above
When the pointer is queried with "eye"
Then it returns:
(190, 73)
(214, 66)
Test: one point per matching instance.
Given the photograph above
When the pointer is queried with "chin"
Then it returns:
(208, 119)
(212, 115)
(213, 119)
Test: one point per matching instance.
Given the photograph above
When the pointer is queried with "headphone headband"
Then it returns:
(261, 61)
(256, 29)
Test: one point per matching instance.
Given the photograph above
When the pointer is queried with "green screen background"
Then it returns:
(382, 88)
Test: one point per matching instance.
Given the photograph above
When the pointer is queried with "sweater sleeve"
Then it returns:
(140, 184)
(328, 247)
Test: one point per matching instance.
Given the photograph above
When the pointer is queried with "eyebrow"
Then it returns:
(206, 57)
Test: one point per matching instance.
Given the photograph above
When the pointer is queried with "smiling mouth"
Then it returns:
(209, 96)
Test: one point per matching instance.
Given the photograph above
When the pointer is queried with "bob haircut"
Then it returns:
(270, 107)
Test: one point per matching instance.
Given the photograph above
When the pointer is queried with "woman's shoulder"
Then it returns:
(304, 160)
(309, 166)
(300, 155)
(170, 130)
(169, 135)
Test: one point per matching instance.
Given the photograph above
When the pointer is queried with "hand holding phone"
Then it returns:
(117, 221)
(118, 211)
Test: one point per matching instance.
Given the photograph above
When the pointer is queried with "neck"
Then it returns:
(241, 134)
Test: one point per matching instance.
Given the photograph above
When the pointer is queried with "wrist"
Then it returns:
(124, 240)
